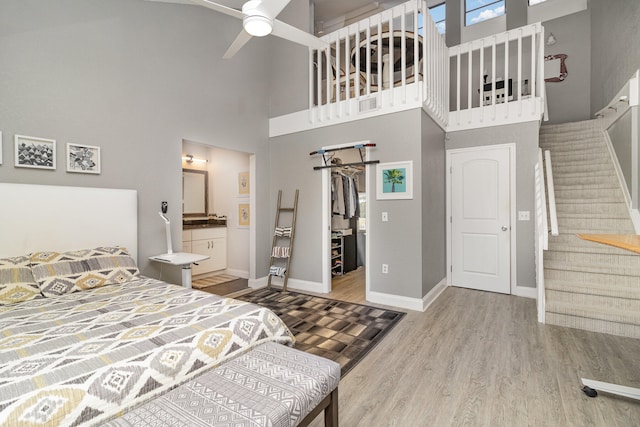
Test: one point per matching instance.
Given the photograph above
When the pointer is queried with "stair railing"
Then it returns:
(542, 233)
(553, 216)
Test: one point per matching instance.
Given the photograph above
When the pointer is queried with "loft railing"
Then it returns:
(393, 59)
(397, 60)
(498, 79)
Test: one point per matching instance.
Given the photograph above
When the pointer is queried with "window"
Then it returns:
(481, 10)
(532, 2)
(439, 17)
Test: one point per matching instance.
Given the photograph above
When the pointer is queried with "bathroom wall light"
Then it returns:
(190, 159)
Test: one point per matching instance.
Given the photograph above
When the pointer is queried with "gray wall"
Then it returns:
(289, 64)
(525, 137)
(570, 99)
(434, 226)
(615, 44)
(396, 242)
(135, 78)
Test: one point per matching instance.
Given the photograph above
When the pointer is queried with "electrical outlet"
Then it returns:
(385, 268)
(385, 216)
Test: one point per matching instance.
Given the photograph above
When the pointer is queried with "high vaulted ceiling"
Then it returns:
(330, 15)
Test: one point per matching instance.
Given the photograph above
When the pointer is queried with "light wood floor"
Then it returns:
(482, 359)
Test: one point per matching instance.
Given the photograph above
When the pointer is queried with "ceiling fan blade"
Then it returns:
(296, 35)
(273, 8)
(219, 8)
(237, 44)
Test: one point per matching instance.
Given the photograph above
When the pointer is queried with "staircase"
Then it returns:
(588, 285)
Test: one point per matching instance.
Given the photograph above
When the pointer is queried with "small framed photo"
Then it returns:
(244, 215)
(83, 158)
(243, 184)
(32, 152)
(394, 180)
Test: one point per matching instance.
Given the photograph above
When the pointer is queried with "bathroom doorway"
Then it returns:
(225, 231)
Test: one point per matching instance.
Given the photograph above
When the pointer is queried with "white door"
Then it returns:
(480, 219)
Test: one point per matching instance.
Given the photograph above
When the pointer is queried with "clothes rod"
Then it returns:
(356, 146)
(369, 162)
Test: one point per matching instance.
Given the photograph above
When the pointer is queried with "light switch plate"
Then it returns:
(524, 216)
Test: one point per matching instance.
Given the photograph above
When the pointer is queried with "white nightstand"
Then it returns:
(182, 259)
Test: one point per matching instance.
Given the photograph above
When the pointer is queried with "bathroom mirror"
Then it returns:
(195, 187)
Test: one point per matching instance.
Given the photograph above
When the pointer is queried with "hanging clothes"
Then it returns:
(344, 196)
(337, 195)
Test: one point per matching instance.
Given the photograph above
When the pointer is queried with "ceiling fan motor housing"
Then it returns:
(255, 21)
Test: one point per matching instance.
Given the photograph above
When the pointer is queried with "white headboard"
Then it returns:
(37, 218)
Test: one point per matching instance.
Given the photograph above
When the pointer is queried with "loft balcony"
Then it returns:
(397, 60)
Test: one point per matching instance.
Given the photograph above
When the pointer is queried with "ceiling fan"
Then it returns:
(258, 19)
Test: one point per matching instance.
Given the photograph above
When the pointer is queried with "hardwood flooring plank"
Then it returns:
(482, 359)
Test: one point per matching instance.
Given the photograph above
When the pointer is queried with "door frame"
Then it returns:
(512, 207)
(326, 219)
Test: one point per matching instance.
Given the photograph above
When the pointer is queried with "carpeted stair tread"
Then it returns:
(619, 225)
(594, 325)
(590, 258)
(594, 288)
(585, 174)
(585, 276)
(630, 317)
(580, 215)
(608, 269)
(596, 248)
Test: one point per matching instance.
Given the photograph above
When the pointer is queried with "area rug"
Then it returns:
(212, 281)
(341, 331)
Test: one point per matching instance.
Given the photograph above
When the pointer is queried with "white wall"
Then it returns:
(225, 167)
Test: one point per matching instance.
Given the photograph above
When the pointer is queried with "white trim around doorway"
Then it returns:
(326, 220)
(514, 288)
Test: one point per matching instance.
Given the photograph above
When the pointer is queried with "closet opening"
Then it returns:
(345, 191)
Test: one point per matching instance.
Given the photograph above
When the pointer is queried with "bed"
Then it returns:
(88, 356)
(84, 337)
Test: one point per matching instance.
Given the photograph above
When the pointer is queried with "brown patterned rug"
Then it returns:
(338, 330)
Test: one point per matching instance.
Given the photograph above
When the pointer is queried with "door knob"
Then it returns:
(504, 228)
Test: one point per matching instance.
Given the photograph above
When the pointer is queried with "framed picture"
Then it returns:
(32, 152)
(243, 184)
(243, 215)
(394, 180)
(83, 158)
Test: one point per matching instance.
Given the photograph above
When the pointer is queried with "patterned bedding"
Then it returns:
(86, 357)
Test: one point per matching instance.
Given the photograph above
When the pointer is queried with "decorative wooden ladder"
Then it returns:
(280, 232)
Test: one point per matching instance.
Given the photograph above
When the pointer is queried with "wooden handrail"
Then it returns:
(553, 216)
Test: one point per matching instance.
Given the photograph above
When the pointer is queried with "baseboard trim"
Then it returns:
(526, 292)
(260, 282)
(238, 273)
(292, 284)
(434, 293)
(408, 303)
